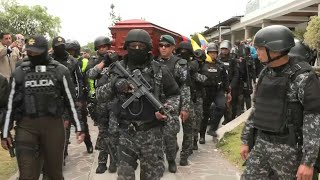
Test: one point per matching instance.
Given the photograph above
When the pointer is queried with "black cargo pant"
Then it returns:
(212, 96)
(218, 110)
(87, 138)
(40, 140)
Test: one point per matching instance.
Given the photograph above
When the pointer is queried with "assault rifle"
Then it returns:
(140, 88)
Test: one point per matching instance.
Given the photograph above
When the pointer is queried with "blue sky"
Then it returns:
(85, 20)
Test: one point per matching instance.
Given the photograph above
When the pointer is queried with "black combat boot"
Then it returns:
(202, 139)
(212, 132)
(112, 167)
(89, 147)
(195, 143)
(172, 166)
(102, 167)
(183, 161)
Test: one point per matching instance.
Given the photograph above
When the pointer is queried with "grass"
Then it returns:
(8, 165)
(230, 146)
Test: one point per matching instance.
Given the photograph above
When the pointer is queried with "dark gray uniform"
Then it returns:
(108, 138)
(101, 113)
(286, 118)
(145, 141)
(179, 70)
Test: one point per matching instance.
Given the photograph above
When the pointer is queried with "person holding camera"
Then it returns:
(9, 54)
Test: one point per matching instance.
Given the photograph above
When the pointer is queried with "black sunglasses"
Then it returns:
(165, 45)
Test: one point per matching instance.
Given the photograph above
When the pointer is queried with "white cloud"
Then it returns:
(85, 20)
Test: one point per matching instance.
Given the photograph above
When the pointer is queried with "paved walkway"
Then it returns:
(205, 164)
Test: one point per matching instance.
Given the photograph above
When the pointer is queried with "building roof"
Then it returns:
(228, 22)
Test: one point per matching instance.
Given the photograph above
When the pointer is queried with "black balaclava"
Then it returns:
(185, 54)
(137, 57)
(59, 51)
(41, 59)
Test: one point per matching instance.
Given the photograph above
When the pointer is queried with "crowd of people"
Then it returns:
(138, 102)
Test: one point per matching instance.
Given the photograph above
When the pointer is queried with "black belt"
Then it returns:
(133, 126)
(281, 138)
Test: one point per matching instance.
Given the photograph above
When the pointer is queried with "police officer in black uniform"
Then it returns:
(215, 86)
(61, 55)
(231, 64)
(247, 76)
(41, 90)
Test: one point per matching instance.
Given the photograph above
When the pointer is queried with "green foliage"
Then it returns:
(230, 146)
(15, 18)
(312, 34)
(90, 46)
(298, 33)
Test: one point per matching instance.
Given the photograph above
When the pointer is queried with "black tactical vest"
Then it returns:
(42, 91)
(226, 63)
(273, 110)
(171, 63)
(213, 72)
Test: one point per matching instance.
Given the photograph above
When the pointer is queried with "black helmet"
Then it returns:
(225, 44)
(200, 54)
(138, 35)
(73, 45)
(276, 38)
(301, 51)
(101, 40)
(212, 47)
(185, 45)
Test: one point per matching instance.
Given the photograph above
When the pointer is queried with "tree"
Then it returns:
(298, 33)
(18, 19)
(90, 46)
(312, 34)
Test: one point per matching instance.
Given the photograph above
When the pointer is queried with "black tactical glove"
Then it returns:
(122, 85)
(114, 57)
(106, 60)
(194, 67)
(110, 58)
